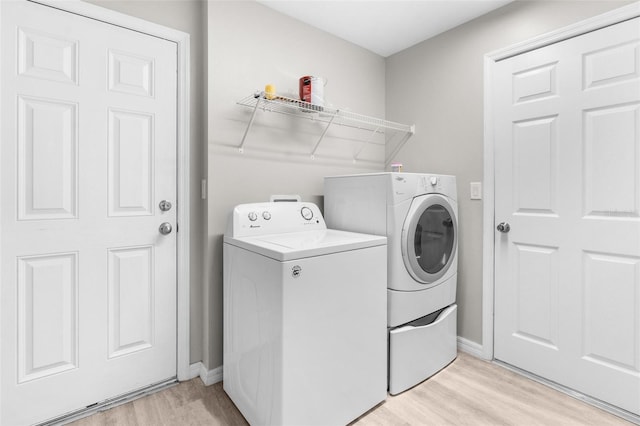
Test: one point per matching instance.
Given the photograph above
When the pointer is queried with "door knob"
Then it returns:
(165, 228)
(503, 227)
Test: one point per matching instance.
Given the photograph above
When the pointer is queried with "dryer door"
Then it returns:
(429, 238)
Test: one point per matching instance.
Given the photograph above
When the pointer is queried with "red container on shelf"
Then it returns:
(305, 88)
(312, 90)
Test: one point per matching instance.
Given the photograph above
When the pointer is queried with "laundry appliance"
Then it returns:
(418, 215)
(304, 317)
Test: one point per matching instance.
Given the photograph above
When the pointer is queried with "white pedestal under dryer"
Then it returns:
(304, 317)
(418, 213)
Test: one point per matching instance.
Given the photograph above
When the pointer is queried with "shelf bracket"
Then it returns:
(400, 145)
(253, 116)
(365, 143)
(324, 132)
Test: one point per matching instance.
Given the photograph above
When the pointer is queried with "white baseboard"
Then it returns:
(194, 370)
(208, 377)
(470, 347)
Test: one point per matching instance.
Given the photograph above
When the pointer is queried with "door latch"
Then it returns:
(164, 205)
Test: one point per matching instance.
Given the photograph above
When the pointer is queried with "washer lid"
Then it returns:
(299, 245)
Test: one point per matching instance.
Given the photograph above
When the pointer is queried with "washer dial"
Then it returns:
(306, 213)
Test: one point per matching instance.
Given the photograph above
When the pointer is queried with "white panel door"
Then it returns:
(88, 291)
(567, 274)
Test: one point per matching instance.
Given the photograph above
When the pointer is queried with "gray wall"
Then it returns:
(250, 46)
(188, 16)
(438, 84)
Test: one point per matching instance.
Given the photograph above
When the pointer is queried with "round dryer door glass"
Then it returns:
(429, 241)
(433, 239)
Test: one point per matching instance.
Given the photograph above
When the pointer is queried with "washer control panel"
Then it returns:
(274, 218)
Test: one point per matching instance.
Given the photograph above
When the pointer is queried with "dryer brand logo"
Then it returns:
(296, 271)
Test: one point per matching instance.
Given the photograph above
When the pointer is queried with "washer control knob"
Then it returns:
(253, 216)
(266, 215)
(306, 213)
(433, 180)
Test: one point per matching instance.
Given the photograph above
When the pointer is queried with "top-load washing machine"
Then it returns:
(418, 215)
(305, 337)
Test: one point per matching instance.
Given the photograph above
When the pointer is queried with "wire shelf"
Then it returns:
(323, 114)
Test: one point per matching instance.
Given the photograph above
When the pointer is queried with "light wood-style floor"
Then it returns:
(470, 391)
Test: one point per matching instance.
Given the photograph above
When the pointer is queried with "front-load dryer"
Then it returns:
(418, 213)
(305, 338)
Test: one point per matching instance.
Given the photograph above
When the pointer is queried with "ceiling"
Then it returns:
(384, 26)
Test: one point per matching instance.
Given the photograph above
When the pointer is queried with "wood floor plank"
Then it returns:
(469, 391)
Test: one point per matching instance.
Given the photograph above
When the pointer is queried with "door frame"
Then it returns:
(488, 235)
(182, 41)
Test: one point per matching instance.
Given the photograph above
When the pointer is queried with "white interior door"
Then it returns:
(88, 291)
(567, 274)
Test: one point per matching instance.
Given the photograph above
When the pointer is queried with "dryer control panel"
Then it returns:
(432, 183)
(274, 218)
(406, 186)
(437, 184)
